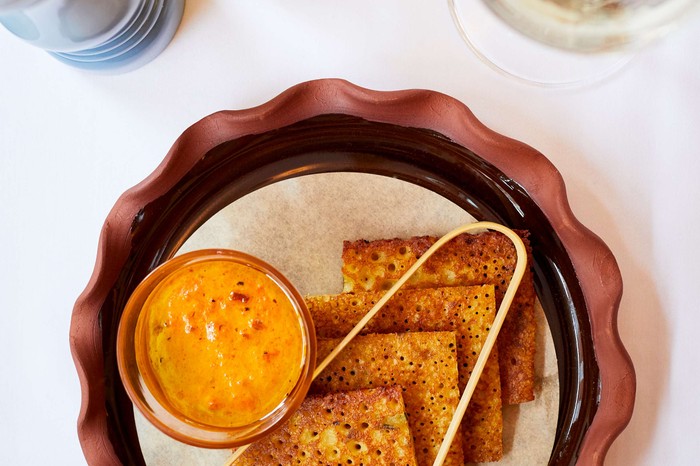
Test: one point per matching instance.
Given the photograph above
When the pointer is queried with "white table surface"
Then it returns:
(71, 143)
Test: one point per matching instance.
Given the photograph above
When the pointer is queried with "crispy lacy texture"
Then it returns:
(356, 427)
(485, 258)
(424, 364)
(468, 311)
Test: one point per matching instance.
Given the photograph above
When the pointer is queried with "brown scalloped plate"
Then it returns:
(421, 137)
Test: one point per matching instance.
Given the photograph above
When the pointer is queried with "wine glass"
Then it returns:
(563, 43)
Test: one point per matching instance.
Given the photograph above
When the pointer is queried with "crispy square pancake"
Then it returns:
(424, 364)
(355, 427)
(468, 311)
(485, 258)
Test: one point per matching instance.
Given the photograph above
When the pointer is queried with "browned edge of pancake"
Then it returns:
(484, 258)
(468, 311)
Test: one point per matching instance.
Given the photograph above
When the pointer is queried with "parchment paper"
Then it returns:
(299, 226)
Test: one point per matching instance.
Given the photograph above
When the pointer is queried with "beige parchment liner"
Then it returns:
(298, 226)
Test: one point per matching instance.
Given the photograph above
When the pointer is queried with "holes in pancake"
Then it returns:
(470, 257)
(347, 435)
(397, 360)
(447, 302)
(357, 446)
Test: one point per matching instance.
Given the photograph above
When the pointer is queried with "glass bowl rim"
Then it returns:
(211, 436)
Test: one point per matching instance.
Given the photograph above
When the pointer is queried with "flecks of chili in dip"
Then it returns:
(223, 341)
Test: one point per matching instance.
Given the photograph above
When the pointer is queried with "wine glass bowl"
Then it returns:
(592, 25)
(563, 43)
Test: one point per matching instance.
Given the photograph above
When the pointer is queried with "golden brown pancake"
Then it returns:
(468, 311)
(424, 364)
(356, 427)
(485, 258)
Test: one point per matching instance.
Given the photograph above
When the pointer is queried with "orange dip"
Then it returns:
(223, 342)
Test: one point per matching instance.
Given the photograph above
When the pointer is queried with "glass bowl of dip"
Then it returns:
(216, 348)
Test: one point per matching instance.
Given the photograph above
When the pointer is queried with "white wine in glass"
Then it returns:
(563, 42)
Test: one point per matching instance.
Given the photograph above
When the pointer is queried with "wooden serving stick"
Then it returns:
(518, 273)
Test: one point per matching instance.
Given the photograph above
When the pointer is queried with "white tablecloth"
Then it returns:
(71, 143)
